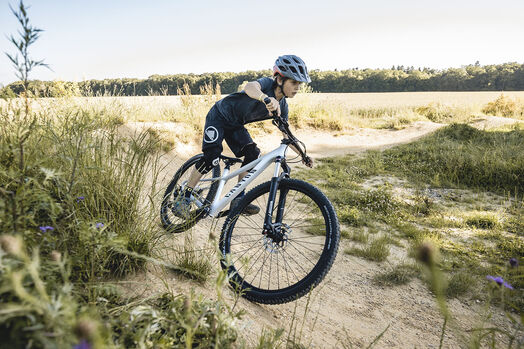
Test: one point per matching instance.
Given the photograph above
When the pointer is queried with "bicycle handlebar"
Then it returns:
(283, 126)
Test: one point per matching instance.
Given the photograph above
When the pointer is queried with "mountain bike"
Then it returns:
(279, 254)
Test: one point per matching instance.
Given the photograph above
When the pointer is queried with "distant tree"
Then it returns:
(507, 76)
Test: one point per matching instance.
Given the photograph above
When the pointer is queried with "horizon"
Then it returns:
(245, 71)
(126, 39)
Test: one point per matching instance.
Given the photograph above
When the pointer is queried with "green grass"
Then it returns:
(457, 156)
(377, 250)
(483, 220)
(351, 216)
(79, 177)
(459, 283)
(316, 226)
(462, 156)
(397, 275)
(192, 262)
(477, 232)
(359, 236)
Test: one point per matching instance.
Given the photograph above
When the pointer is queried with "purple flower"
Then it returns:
(46, 228)
(514, 262)
(80, 198)
(99, 225)
(500, 281)
(82, 345)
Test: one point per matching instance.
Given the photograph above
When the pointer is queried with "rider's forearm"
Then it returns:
(253, 90)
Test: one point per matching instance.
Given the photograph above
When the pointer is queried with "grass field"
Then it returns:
(76, 218)
(330, 111)
(460, 188)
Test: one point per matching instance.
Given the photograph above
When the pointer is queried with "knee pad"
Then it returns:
(250, 153)
(208, 161)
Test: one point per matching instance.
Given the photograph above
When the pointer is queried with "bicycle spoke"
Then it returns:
(276, 266)
(301, 254)
(292, 270)
(307, 242)
(252, 265)
(251, 247)
(247, 220)
(278, 271)
(269, 277)
(244, 242)
(301, 217)
(300, 243)
(259, 269)
(244, 235)
(309, 236)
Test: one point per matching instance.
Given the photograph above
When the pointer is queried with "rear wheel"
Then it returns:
(204, 192)
(286, 262)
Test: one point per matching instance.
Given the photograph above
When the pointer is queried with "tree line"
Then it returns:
(501, 77)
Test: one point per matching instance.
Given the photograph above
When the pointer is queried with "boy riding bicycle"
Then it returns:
(260, 100)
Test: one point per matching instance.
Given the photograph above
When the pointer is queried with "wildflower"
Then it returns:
(46, 228)
(82, 345)
(514, 262)
(99, 225)
(11, 244)
(80, 198)
(500, 281)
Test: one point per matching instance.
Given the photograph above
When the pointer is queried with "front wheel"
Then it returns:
(286, 263)
(204, 193)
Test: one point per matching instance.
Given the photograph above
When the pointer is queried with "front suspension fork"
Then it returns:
(275, 181)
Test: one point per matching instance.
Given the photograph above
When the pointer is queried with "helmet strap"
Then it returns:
(282, 86)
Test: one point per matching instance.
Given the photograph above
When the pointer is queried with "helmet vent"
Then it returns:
(292, 67)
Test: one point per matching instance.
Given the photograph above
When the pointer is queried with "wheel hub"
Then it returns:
(276, 237)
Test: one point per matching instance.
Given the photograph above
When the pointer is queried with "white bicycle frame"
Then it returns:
(254, 169)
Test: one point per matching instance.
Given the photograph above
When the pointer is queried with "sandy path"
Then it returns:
(347, 306)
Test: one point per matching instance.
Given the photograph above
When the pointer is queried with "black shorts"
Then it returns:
(217, 129)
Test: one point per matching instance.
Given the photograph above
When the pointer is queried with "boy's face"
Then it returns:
(291, 87)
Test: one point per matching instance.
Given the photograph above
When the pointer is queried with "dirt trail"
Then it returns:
(347, 306)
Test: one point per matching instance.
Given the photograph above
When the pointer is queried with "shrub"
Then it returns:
(504, 106)
(351, 216)
(377, 251)
(436, 112)
(483, 220)
(80, 179)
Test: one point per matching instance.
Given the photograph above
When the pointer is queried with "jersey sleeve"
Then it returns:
(266, 84)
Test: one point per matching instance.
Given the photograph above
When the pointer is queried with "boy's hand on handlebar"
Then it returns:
(272, 106)
(308, 161)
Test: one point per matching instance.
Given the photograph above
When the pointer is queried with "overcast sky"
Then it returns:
(129, 38)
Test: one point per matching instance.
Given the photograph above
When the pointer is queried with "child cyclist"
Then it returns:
(260, 100)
